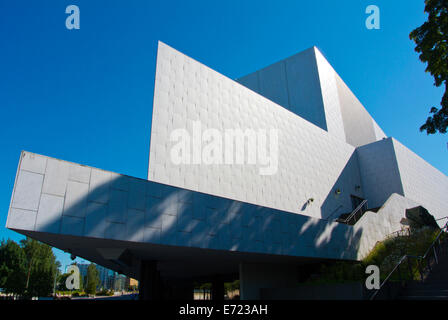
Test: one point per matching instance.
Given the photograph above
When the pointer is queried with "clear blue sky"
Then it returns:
(86, 95)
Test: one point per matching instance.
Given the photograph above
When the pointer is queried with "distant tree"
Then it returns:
(205, 287)
(93, 279)
(58, 273)
(231, 286)
(61, 281)
(81, 282)
(27, 269)
(12, 267)
(41, 268)
(431, 40)
(81, 278)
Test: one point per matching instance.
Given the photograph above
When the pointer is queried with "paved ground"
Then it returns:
(131, 296)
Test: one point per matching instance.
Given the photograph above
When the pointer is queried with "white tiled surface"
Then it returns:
(378, 225)
(21, 219)
(294, 84)
(50, 209)
(34, 163)
(29, 185)
(360, 128)
(96, 215)
(422, 182)
(277, 90)
(379, 172)
(389, 167)
(56, 175)
(379, 133)
(312, 162)
(75, 201)
(316, 93)
(168, 215)
(175, 216)
(59, 197)
(79, 173)
(330, 96)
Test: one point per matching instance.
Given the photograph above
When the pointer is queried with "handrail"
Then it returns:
(410, 256)
(435, 240)
(407, 230)
(355, 211)
(399, 233)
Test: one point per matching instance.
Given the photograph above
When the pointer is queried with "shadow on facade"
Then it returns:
(338, 200)
(137, 210)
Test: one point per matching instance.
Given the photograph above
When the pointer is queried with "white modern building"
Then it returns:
(248, 179)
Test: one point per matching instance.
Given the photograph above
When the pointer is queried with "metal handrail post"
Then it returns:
(420, 269)
(435, 255)
(420, 260)
(411, 274)
(354, 212)
(428, 263)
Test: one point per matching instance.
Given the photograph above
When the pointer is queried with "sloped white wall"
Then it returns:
(421, 181)
(360, 128)
(311, 162)
(308, 85)
(379, 172)
(294, 84)
(89, 202)
(387, 167)
(379, 133)
(330, 96)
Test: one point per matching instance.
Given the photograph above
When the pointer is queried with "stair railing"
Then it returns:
(446, 217)
(432, 250)
(354, 212)
(406, 232)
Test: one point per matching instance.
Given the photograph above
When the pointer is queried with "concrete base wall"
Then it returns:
(337, 291)
(254, 277)
(340, 291)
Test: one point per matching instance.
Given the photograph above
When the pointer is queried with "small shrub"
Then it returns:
(105, 292)
(386, 255)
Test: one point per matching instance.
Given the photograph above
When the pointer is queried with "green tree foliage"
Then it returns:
(41, 268)
(387, 253)
(27, 269)
(61, 282)
(93, 279)
(12, 267)
(232, 286)
(431, 40)
(81, 282)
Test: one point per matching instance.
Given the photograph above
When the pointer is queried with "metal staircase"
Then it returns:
(431, 268)
(355, 215)
(435, 287)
